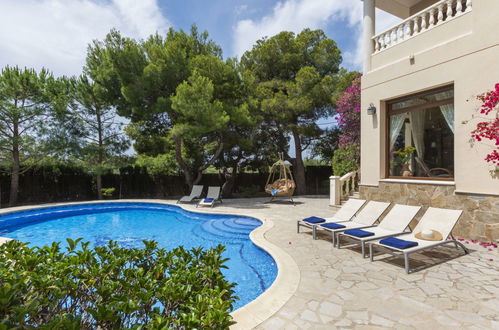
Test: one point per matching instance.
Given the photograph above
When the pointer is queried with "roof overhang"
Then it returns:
(403, 8)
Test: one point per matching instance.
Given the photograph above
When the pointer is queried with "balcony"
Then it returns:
(435, 25)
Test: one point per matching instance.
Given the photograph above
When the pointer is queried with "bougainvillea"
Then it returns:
(348, 114)
(489, 128)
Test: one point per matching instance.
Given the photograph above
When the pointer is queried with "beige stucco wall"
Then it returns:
(465, 52)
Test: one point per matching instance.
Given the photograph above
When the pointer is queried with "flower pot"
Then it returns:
(406, 170)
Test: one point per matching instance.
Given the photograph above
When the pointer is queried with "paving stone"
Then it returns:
(313, 305)
(378, 320)
(358, 316)
(273, 323)
(330, 309)
(308, 315)
(343, 323)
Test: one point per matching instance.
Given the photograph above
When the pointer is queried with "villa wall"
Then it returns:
(463, 52)
(480, 219)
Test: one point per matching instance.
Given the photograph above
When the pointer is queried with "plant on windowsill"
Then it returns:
(405, 155)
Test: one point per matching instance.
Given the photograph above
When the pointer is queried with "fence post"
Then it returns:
(334, 190)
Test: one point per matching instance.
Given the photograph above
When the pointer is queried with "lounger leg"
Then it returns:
(333, 238)
(314, 232)
(371, 252)
(466, 251)
(298, 227)
(363, 247)
(406, 261)
(338, 240)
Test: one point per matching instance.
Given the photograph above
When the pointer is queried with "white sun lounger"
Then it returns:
(212, 196)
(365, 218)
(196, 192)
(441, 220)
(393, 224)
(345, 213)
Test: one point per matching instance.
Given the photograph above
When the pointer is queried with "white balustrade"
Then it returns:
(427, 19)
(341, 187)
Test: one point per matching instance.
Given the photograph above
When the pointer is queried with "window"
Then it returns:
(420, 136)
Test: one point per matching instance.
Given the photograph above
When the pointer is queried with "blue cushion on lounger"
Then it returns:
(358, 233)
(398, 243)
(208, 200)
(332, 225)
(314, 220)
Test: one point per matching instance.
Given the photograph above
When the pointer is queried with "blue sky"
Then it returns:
(55, 33)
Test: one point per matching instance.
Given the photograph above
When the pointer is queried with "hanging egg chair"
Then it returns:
(280, 182)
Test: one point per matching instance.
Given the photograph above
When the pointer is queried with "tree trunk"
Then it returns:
(299, 167)
(14, 182)
(14, 176)
(98, 179)
(100, 159)
(181, 163)
(230, 181)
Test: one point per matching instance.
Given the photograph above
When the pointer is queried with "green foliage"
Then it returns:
(294, 78)
(29, 102)
(405, 154)
(162, 164)
(315, 162)
(108, 192)
(346, 159)
(325, 146)
(111, 287)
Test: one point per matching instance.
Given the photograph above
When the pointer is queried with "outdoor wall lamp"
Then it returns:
(371, 110)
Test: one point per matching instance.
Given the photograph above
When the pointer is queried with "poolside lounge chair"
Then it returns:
(345, 213)
(441, 221)
(212, 196)
(196, 192)
(393, 224)
(365, 218)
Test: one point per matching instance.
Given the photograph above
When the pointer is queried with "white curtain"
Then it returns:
(396, 123)
(447, 109)
(417, 119)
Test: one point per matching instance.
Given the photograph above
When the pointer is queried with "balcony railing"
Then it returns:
(425, 20)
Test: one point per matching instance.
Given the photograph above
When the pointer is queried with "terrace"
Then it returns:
(320, 286)
(425, 25)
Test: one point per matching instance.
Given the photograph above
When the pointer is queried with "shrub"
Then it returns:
(108, 192)
(346, 159)
(111, 287)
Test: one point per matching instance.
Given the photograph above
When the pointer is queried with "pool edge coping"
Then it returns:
(258, 310)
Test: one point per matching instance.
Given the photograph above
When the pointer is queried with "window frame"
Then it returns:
(390, 112)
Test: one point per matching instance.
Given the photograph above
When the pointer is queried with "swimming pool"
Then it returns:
(129, 224)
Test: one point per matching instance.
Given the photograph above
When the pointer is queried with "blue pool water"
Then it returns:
(129, 224)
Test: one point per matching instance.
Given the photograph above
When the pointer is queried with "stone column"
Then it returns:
(334, 190)
(369, 23)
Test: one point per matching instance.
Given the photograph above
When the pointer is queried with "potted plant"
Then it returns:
(405, 155)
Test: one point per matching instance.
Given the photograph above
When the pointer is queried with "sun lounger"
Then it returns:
(393, 224)
(440, 221)
(345, 213)
(212, 196)
(196, 192)
(365, 218)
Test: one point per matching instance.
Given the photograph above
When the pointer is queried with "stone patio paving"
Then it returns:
(339, 289)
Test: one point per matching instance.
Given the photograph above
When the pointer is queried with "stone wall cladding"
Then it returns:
(480, 219)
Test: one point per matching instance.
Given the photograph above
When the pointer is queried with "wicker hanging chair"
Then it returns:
(280, 182)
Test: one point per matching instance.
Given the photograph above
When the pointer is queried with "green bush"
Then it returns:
(111, 287)
(346, 159)
(108, 192)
